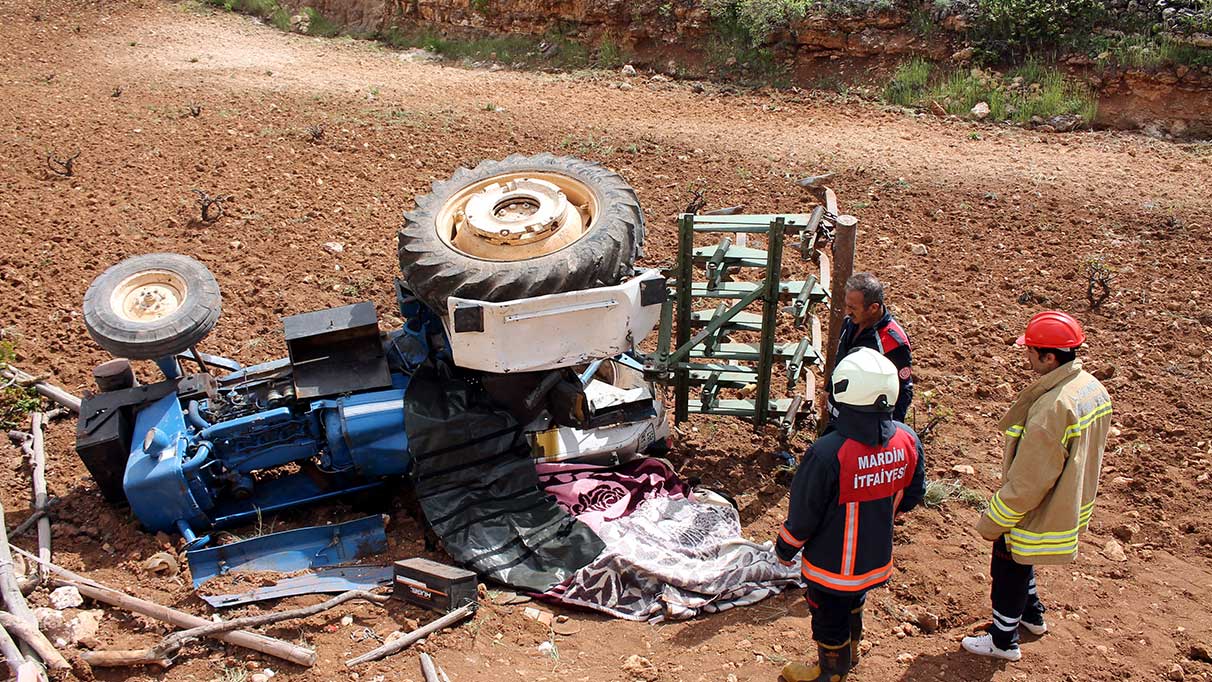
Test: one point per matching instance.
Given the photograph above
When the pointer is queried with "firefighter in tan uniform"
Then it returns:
(1056, 433)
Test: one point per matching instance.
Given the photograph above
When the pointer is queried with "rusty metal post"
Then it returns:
(845, 236)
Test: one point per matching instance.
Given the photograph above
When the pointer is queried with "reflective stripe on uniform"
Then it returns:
(1068, 547)
(845, 583)
(1083, 518)
(1084, 423)
(850, 541)
(1015, 431)
(1002, 514)
(786, 536)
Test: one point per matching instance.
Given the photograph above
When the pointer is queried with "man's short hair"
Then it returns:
(868, 285)
(1063, 355)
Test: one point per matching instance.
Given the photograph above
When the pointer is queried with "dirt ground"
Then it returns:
(1008, 218)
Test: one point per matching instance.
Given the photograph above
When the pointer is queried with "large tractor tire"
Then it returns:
(152, 306)
(525, 226)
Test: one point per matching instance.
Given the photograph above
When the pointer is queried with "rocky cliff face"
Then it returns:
(676, 35)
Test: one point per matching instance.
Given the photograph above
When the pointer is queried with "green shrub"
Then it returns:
(319, 25)
(1003, 28)
(611, 54)
(1029, 90)
(15, 401)
(909, 83)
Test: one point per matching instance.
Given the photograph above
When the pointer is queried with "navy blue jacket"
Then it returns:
(845, 494)
(888, 338)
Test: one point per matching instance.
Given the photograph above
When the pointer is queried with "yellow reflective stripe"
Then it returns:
(993, 516)
(1028, 538)
(1004, 509)
(1044, 551)
(1015, 431)
(999, 517)
(1084, 423)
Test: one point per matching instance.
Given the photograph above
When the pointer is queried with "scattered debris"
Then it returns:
(98, 592)
(629, 70)
(170, 645)
(543, 616)
(405, 641)
(11, 374)
(63, 167)
(919, 249)
(965, 469)
(1098, 277)
(162, 563)
(331, 579)
(565, 626)
(509, 598)
(640, 668)
(117, 92)
(334, 247)
(1124, 532)
(1114, 551)
(194, 110)
(316, 132)
(205, 201)
(66, 597)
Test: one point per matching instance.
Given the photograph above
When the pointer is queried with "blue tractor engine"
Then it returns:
(204, 453)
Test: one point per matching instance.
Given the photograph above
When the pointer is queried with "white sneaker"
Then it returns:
(1036, 629)
(982, 645)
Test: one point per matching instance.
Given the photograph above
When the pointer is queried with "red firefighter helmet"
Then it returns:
(1053, 329)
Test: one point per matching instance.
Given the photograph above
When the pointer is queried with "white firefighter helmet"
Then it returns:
(866, 380)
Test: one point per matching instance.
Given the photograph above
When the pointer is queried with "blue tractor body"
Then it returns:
(220, 452)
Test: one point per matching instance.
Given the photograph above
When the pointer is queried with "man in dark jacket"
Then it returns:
(844, 497)
(868, 324)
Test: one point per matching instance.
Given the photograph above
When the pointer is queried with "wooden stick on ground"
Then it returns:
(44, 389)
(428, 670)
(12, 655)
(249, 640)
(38, 473)
(10, 589)
(411, 638)
(162, 653)
(30, 634)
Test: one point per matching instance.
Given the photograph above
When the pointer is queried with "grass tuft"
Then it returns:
(940, 492)
(1027, 91)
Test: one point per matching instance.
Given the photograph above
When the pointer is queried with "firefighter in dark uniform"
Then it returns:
(848, 489)
(868, 324)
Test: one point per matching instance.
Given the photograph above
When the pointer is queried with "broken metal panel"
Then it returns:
(557, 330)
(292, 550)
(337, 350)
(324, 581)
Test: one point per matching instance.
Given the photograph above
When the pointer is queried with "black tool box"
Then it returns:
(433, 585)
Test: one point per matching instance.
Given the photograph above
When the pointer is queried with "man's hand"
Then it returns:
(788, 564)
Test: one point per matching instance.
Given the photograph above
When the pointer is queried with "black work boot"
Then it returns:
(856, 635)
(833, 664)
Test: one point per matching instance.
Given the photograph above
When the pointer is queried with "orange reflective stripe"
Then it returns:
(789, 538)
(846, 583)
(850, 543)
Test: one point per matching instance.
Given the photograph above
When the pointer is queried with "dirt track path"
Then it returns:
(1007, 216)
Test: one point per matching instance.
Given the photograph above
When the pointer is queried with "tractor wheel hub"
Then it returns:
(516, 212)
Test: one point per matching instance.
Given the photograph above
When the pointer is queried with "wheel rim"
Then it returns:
(517, 216)
(149, 296)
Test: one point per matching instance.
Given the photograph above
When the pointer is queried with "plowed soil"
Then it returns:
(1008, 218)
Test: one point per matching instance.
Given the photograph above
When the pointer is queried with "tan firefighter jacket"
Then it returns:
(1056, 432)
